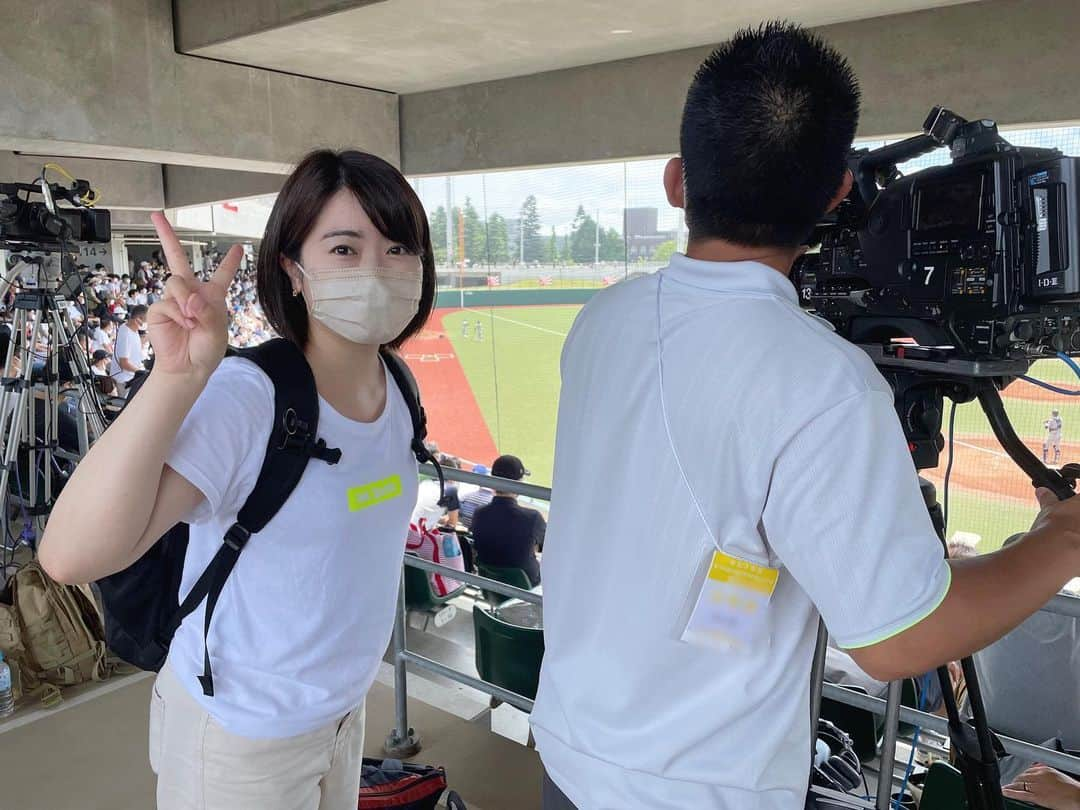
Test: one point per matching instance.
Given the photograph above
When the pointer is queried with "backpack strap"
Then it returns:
(410, 392)
(291, 445)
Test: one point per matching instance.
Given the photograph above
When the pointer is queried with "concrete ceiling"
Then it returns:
(406, 46)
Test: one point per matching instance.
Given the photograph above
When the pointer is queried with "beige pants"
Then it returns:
(200, 766)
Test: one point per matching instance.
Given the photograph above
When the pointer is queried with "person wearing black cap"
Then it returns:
(506, 534)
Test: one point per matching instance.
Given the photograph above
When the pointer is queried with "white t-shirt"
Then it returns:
(788, 436)
(427, 504)
(306, 615)
(129, 345)
(100, 339)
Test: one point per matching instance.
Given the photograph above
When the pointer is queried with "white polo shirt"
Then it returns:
(128, 346)
(789, 441)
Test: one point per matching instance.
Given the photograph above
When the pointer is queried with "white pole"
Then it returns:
(596, 251)
(118, 255)
(521, 240)
(450, 241)
(449, 227)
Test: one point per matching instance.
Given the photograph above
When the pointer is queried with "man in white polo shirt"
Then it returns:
(128, 356)
(726, 467)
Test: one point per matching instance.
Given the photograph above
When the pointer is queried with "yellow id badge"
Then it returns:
(731, 608)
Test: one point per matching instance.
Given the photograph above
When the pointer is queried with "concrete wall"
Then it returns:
(102, 79)
(193, 185)
(205, 22)
(1012, 60)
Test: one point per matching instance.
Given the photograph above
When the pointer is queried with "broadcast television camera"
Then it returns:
(44, 225)
(981, 256)
(955, 279)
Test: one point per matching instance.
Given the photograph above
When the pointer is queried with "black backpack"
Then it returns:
(141, 603)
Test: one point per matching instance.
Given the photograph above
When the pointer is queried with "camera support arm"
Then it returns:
(1040, 474)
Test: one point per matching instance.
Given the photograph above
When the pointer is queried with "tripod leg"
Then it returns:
(9, 400)
(23, 404)
(979, 767)
(888, 745)
(90, 408)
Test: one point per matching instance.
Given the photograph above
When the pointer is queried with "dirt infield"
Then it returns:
(1023, 390)
(455, 421)
(981, 467)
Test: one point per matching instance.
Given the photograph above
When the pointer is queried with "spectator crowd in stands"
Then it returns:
(109, 315)
(497, 531)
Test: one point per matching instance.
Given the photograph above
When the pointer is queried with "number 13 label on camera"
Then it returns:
(732, 605)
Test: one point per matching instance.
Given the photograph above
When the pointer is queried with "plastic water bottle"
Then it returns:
(7, 697)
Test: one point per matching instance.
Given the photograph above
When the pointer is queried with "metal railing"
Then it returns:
(403, 741)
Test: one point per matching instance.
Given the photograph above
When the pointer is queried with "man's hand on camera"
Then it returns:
(1059, 520)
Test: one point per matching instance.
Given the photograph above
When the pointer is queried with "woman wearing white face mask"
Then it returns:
(345, 267)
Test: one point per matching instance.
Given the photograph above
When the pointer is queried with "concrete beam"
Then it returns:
(118, 89)
(190, 185)
(122, 184)
(1012, 60)
(206, 22)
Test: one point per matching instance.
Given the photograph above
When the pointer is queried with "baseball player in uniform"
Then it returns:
(1053, 436)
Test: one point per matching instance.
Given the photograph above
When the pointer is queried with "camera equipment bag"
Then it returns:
(391, 783)
(142, 605)
(51, 635)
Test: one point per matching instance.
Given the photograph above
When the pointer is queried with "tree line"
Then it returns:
(490, 242)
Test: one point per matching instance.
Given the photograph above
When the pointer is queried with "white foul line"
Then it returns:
(519, 323)
(997, 453)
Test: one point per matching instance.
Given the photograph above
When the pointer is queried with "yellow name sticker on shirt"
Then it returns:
(368, 495)
(730, 612)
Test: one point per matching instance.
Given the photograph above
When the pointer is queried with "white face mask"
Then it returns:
(369, 305)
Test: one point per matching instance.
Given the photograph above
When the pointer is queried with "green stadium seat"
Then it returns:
(508, 655)
(864, 726)
(859, 723)
(508, 576)
(944, 790)
(419, 595)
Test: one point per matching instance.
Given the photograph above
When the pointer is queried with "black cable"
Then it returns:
(948, 469)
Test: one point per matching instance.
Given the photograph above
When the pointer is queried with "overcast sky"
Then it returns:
(607, 187)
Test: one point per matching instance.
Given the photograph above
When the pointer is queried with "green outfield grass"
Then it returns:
(993, 521)
(1027, 417)
(514, 375)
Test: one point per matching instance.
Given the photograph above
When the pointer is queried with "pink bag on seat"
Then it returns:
(443, 548)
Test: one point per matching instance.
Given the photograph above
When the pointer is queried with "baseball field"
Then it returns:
(490, 378)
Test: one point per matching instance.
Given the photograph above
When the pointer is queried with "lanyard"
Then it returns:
(663, 408)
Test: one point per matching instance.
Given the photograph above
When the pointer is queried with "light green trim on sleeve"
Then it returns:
(936, 604)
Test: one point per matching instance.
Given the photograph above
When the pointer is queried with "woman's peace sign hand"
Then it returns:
(189, 327)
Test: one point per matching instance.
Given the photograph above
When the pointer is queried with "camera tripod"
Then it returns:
(921, 379)
(35, 391)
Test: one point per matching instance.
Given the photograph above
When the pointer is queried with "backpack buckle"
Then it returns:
(236, 537)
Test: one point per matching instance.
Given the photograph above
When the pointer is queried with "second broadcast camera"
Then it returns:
(46, 225)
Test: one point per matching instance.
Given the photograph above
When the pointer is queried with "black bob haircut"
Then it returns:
(386, 197)
(766, 130)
